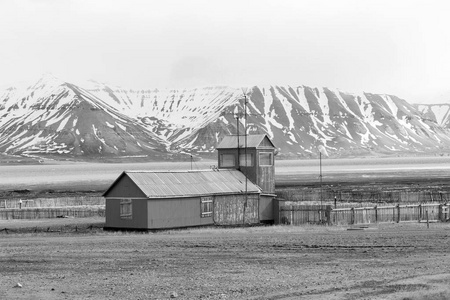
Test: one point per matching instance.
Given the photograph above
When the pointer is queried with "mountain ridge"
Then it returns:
(60, 118)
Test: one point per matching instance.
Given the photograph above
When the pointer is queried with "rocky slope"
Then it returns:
(94, 119)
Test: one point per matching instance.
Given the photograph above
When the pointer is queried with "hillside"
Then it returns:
(53, 117)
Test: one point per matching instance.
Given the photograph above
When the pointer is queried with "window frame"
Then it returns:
(270, 158)
(221, 162)
(206, 206)
(126, 209)
(242, 162)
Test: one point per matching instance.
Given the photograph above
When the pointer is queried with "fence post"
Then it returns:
(420, 212)
(328, 214)
(353, 215)
(398, 213)
(376, 213)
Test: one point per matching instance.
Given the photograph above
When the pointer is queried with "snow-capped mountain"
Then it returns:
(57, 117)
(437, 112)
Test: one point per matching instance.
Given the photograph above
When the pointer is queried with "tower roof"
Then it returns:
(253, 141)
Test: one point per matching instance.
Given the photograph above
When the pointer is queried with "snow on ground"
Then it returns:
(287, 108)
(441, 112)
(390, 104)
(63, 123)
(323, 103)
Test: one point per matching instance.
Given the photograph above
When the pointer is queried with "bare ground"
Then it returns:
(384, 261)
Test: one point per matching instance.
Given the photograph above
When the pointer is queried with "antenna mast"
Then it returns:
(244, 90)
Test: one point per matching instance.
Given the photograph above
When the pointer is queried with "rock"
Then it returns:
(173, 295)
(18, 285)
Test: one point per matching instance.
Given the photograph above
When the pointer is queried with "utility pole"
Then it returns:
(238, 146)
(320, 176)
(245, 155)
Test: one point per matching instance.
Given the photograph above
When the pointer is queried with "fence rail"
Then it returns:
(325, 214)
(363, 196)
(52, 212)
(52, 202)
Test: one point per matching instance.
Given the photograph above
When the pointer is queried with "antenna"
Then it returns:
(320, 177)
(244, 91)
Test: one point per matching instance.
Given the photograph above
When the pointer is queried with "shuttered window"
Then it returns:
(206, 206)
(126, 209)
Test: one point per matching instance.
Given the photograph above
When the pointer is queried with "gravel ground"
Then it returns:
(385, 261)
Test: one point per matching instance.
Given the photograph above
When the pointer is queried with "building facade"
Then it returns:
(240, 191)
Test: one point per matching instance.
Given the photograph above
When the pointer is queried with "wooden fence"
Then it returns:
(326, 214)
(52, 202)
(59, 212)
(362, 196)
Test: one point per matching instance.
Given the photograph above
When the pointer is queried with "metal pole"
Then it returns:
(245, 154)
(320, 176)
(191, 162)
(237, 130)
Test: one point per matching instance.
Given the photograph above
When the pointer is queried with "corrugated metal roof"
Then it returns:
(169, 184)
(253, 141)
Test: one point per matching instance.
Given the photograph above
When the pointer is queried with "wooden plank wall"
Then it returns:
(304, 214)
(365, 196)
(325, 214)
(229, 209)
(53, 202)
(44, 213)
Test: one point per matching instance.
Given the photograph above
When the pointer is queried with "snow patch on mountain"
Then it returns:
(53, 116)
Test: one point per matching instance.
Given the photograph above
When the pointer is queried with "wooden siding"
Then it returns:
(174, 213)
(138, 220)
(266, 208)
(266, 179)
(304, 214)
(251, 172)
(316, 214)
(53, 212)
(124, 187)
(229, 209)
(266, 143)
(263, 176)
(364, 196)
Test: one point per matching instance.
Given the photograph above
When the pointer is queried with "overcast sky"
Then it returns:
(393, 47)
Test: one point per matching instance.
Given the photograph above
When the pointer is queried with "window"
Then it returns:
(246, 160)
(126, 209)
(206, 206)
(265, 159)
(227, 160)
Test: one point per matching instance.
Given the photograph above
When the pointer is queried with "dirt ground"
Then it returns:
(384, 261)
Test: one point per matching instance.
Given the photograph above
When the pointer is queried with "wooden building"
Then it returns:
(157, 200)
(255, 157)
(233, 194)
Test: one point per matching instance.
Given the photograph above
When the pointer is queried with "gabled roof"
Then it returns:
(253, 141)
(176, 184)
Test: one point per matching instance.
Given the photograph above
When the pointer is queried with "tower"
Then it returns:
(256, 159)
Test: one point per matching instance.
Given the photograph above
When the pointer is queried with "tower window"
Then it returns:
(246, 160)
(265, 159)
(227, 160)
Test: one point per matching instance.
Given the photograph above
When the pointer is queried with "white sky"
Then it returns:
(395, 47)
